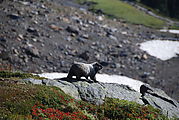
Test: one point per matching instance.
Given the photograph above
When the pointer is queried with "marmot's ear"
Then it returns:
(94, 63)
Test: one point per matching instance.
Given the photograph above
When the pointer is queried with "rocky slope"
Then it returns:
(47, 36)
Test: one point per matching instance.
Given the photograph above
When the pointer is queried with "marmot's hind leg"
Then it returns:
(78, 77)
(69, 75)
(86, 77)
(93, 78)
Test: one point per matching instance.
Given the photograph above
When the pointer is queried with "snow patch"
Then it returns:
(170, 31)
(161, 49)
(105, 78)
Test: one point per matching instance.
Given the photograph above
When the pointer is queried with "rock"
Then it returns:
(145, 75)
(20, 36)
(86, 36)
(14, 16)
(123, 54)
(15, 51)
(123, 92)
(100, 18)
(55, 28)
(32, 50)
(4, 55)
(2, 39)
(66, 20)
(24, 3)
(113, 29)
(33, 81)
(159, 99)
(82, 40)
(67, 87)
(124, 33)
(73, 29)
(84, 55)
(91, 22)
(144, 56)
(33, 31)
(68, 38)
(77, 19)
(103, 63)
(112, 37)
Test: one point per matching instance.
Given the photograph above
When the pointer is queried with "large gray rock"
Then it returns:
(32, 81)
(97, 92)
(67, 87)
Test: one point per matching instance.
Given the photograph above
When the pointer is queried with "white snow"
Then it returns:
(134, 84)
(171, 31)
(162, 49)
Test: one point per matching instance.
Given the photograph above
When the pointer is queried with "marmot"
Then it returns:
(79, 70)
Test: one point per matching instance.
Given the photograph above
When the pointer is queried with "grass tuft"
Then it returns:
(20, 75)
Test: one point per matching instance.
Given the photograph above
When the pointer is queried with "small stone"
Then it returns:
(15, 51)
(55, 28)
(84, 55)
(82, 40)
(119, 46)
(33, 51)
(34, 40)
(68, 38)
(104, 63)
(21, 36)
(144, 56)
(145, 75)
(24, 3)
(33, 31)
(73, 34)
(100, 18)
(86, 36)
(4, 55)
(90, 22)
(123, 54)
(124, 33)
(73, 29)
(66, 20)
(113, 29)
(2, 39)
(112, 37)
(14, 16)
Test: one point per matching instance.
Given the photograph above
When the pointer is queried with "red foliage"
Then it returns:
(39, 113)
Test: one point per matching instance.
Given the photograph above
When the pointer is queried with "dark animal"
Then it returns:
(79, 70)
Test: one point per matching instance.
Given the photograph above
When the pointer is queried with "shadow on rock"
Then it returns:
(74, 80)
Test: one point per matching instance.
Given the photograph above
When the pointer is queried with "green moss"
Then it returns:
(115, 108)
(18, 99)
(119, 9)
(20, 75)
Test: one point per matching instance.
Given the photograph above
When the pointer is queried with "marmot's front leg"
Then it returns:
(78, 77)
(69, 75)
(93, 78)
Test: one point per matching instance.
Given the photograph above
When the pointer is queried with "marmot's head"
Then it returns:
(97, 66)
